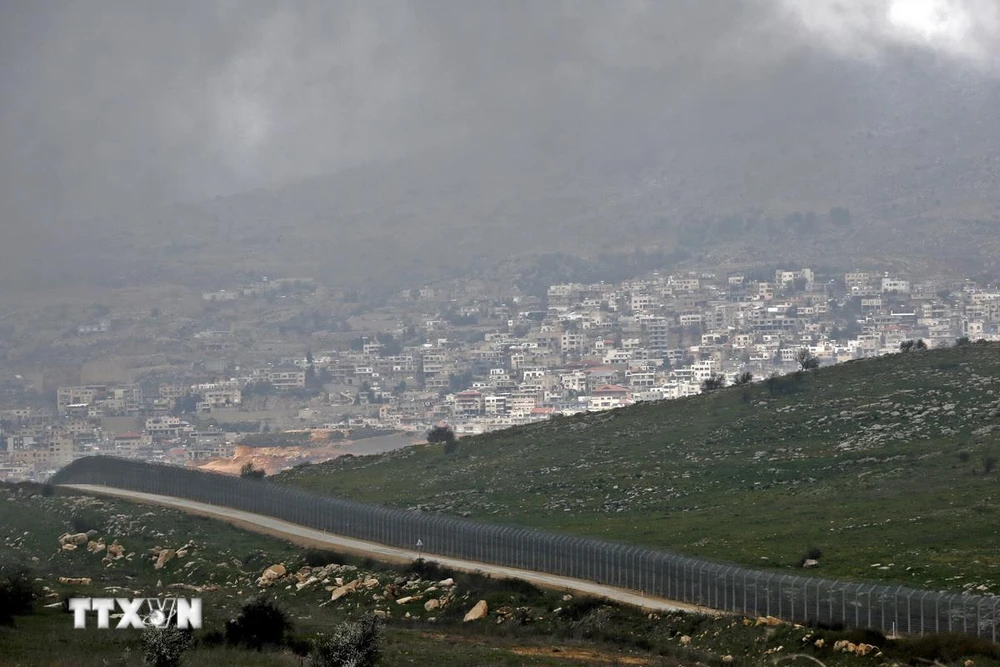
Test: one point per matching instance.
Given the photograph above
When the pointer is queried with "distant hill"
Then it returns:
(741, 169)
(889, 466)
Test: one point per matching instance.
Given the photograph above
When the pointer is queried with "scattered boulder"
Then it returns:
(75, 581)
(810, 563)
(194, 588)
(369, 583)
(344, 590)
(769, 621)
(727, 659)
(445, 583)
(116, 550)
(308, 582)
(271, 574)
(95, 547)
(864, 649)
(845, 646)
(685, 640)
(75, 539)
(408, 599)
(165, 556)
(476, 613)
(431, 605)
(69, 546)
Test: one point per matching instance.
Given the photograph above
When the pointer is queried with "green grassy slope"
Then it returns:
(878, 463)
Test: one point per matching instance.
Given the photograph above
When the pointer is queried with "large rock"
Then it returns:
(431, 605)
(271, 574)
(75, 581)
(864, 649)
(769, 621)
(165, 556)
(77, 539)
(95, 547)
(344, 590)
(810, 563)
(308, 582)
(478, 612)
(69, 546)
(116, 550)
(408, 599)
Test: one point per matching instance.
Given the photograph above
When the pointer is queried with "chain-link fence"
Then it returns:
(891, 609)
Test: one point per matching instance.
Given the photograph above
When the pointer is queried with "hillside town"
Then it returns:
(478, 359)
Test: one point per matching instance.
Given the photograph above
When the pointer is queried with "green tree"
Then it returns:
(260, 622)
(441, 433)
(247, 471)
(164, 647)
(744, 378)
(713, 382)
(187, 404)
(355, 643)
(806, 360)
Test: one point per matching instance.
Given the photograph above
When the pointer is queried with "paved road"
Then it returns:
(302, 535)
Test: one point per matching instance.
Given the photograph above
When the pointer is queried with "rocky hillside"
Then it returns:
(888, 466)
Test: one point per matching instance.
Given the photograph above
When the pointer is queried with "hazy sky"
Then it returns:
(113, 104)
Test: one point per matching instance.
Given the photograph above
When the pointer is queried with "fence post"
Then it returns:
(993, 620)
(769, 594)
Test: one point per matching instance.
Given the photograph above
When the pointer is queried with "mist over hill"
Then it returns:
(371, 142)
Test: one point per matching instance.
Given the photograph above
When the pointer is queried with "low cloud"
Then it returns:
(963, 30)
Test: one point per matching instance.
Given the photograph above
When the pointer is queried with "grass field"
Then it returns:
(889, 466)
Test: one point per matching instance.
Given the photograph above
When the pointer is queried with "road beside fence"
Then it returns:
(313, 538)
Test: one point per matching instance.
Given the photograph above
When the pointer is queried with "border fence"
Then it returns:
(891, 609)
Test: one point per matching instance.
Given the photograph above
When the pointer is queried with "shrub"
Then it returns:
(812, 553)
(943, 647)
(48, 490)
(261, 621)
(578, 608)
(353, 644)
(249, 472)
(300, 645)
(316, 557)
(213, 638)
(84, 522)
(441, 433)
(17, 592)
(163, 647)
(428, 569)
